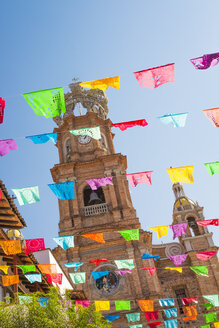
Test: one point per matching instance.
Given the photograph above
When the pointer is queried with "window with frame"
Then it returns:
(179, 294)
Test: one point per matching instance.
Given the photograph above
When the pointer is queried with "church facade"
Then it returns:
(109, 209)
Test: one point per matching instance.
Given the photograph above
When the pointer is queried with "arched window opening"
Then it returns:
(93, 197)
(103, 141)
(67, 149)
(79, 109)
(193, 225)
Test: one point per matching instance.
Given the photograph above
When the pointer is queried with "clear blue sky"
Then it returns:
(44, 44)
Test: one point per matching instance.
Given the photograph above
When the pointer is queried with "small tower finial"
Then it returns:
(178, 190)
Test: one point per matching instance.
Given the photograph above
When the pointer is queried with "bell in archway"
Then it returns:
(94, 198)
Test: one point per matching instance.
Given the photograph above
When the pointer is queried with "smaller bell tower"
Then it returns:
(185, 210)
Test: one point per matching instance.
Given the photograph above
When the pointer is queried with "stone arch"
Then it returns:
(193, 226)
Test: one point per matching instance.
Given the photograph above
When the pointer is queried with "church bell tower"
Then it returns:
(107, 209)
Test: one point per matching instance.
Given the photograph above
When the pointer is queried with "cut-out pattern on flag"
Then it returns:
(205, 256)
(11, 247)
(78, 278)
(133, 317)
(181, 174)
(136, 326)
(189, 300)
(166, 302)
(213, 299)
(122, 305)
(43, 138)
(27, 195)
(27, 268)
(102, 305)
(84, 303)
(23, 299)
(7, 145)
(170, 312)
(98, 261)
(205, 223)
(160, 230)
(179, 269)
(154, 77)
(95, 236)
(4, 268)
(131, 234)
(152, 315)
(172, 323)
(190, 310)
(63, 190)
(98, 274)
(146, 256)
(151, 271)
(146, 305)
(56, 278)
(210, 317)
(93, 132)
(8, 280)
(178, 229)
(212, 168)
(178, 259)
(124, 125)
(201, 270)
(50, 102)
(2, 107)
(112, 317)
(213, 115)
(125, 264)
(99, 182)
(74, 265)
(47, 268)
(123, 272)
(34, 245)
(102, 84)
(34, 277)
(65, 242)
(140, 177)
(205, 61)
(177, 120)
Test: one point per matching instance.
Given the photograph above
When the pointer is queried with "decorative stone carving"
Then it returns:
(174, 249)
(94, 100)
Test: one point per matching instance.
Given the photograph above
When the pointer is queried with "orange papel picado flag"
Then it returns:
(10, 280)
(47, 268)
(160, 230)
(11, 247)
(146, 305)
(181, 174)
(190, 310)
(95, 236)
(102, 84)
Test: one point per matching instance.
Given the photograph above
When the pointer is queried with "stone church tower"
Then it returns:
(109, 209)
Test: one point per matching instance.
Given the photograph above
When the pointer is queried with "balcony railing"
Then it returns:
(96, 209)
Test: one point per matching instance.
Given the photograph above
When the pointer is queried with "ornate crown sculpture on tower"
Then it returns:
(93, 100)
